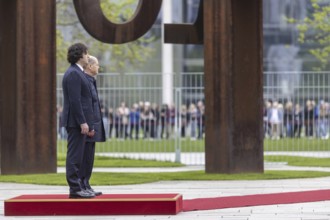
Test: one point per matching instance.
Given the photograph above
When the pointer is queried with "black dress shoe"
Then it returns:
(93, 192)
(81, 195)
(89, 192)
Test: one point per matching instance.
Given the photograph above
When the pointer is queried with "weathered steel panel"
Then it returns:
(233, 86)
(97, 25)
(186, 33)
(28, 95)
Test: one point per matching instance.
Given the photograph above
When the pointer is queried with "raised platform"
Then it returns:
(108, 204)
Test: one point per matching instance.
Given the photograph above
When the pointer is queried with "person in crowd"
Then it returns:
(141, 106)
(124, 115)
(184, 119)
(105, 118)
(323, 121)
(275, 121)
(148, 118)
(298, 121)
(79, 120)
(156, 111)
(111, 121)
(59, 110)
(141, 110)
(309, 114)
(288, 119)
(61, 128)
(281, 122)
(134, 120)
(118, 123)
(200, 119)
(266, 119)
(164, 121)
(172, 115)
(193, 121)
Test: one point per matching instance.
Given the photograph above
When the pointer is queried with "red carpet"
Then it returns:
(255, 200)
(146, 204)
(108, 204)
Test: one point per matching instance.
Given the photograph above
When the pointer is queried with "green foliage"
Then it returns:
(118, 11)
(314, 30)
(60, 52)
(113, 58)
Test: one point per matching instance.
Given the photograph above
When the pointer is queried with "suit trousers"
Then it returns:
(79, 161)
(88, 163)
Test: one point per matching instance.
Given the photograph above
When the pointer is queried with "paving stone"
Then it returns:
(199, 189)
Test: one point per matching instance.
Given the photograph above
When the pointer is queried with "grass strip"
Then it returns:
(300, 161)
(139, 178)
(101, 161)
(187, 145)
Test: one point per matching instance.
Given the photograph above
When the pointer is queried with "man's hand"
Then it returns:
(91, 133)
(84, 128)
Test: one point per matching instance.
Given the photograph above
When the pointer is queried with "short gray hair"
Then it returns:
(92, 60)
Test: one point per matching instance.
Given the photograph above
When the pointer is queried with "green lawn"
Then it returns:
(122, 162)
(139, 178)
(101, 161)
(297, 144)
(143, 145)
(300, 161)
(187, 145)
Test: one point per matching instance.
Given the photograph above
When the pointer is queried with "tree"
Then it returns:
(314, 30)
(118, 58)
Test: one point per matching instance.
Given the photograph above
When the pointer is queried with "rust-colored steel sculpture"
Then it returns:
(97, 25)
(231, 31)
(233, 86)
(27, 87)
(186, 33)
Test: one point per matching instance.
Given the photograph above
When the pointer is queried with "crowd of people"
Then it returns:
(151, 121)
(146, 120)
(294, 120)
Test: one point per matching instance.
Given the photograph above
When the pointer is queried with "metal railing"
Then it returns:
(145, 127)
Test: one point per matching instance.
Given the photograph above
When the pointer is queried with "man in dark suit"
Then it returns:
(79, 120)
(91, 70)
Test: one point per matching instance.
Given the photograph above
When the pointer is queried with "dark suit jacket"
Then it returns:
(78, 103)
(97, 121)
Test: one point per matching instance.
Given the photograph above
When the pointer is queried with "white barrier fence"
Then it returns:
(139, 125)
